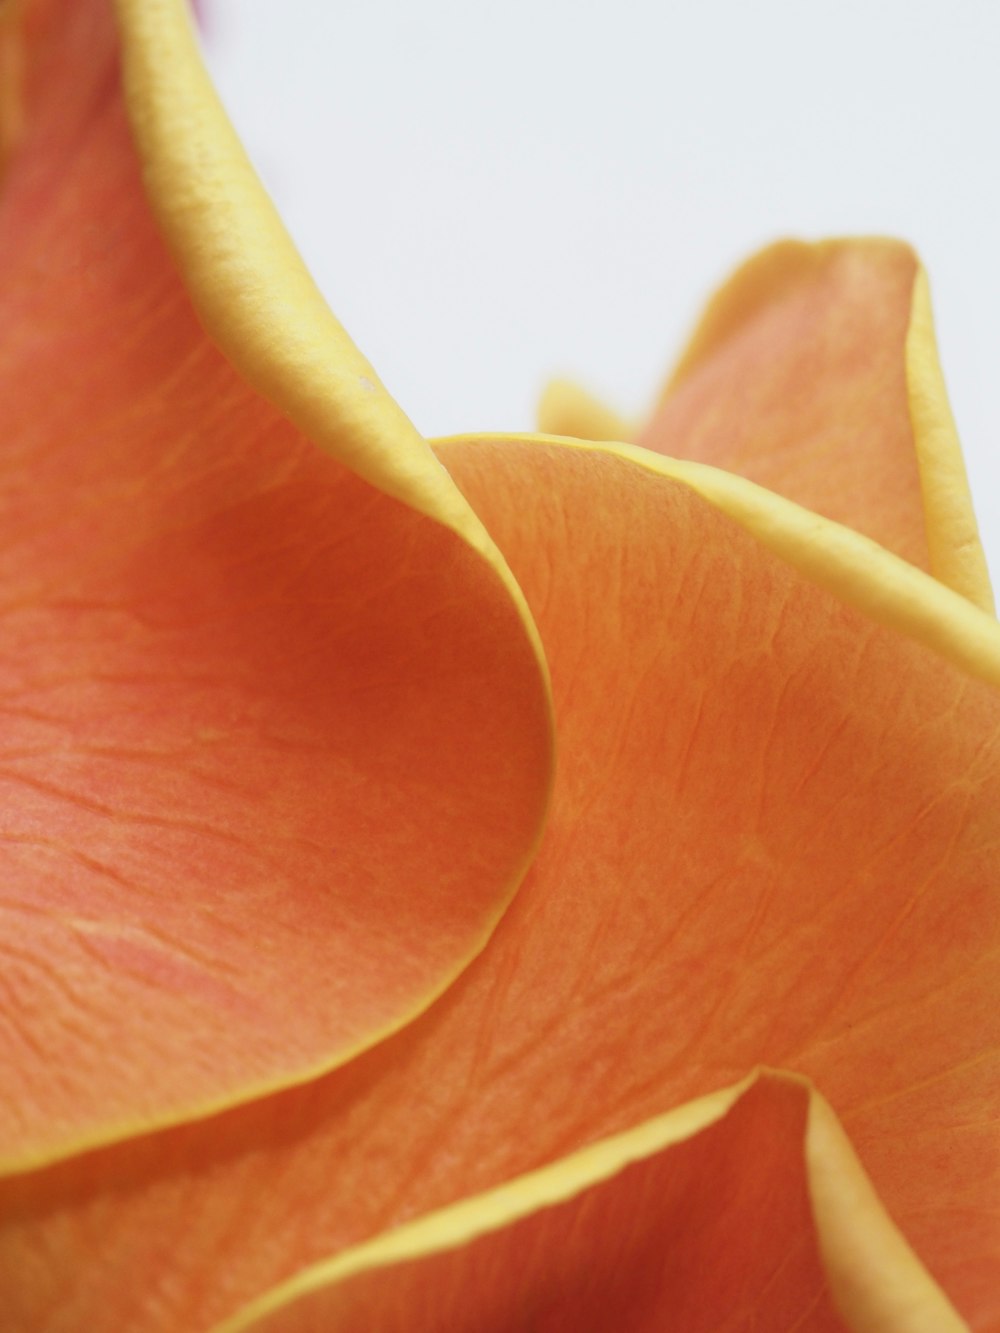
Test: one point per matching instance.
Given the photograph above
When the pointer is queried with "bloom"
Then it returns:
(288, 965)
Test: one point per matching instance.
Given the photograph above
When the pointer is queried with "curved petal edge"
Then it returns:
(866, 1270)
(251, 288)
(956, 552)
(854, 568)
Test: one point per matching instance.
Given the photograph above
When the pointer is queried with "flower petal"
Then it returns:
(877, 1283)
(276, 742)
(11, 73)
(794, 377)
(773, 840)
(566, 409)
(701, 1219)
(815, 373)
(956, 552)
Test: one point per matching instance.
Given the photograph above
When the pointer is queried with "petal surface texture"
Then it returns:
(276, 744)
(773, 840)
(622, 1234)
(815, 373)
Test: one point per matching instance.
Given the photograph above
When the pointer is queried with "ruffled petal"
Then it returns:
(815, 373)
(276, 743)
(773, 840)
(744, 1209)
(795, 378)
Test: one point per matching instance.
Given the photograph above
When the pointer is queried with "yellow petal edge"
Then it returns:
(886, 588)
(251, 289)
(261, 307)
(956, 552)
(566, 409)
(876, 1281)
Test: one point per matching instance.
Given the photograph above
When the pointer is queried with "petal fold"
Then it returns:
(739, 1210)
(772, 842)
(877, 1283)
(956, 552)
(814, 372)
(795, 377)
(277, 737)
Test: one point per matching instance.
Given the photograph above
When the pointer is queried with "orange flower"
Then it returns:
(307, 1025)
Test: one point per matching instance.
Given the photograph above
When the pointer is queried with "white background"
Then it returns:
(492, 193)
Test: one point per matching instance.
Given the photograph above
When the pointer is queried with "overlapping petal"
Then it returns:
(772, 840)
(814, 372)
(275, 745)
(822, 900)
(755, 1185)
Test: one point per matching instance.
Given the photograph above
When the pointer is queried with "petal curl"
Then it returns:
(956, 552)
(276, 743)
(814, 372)
(773, 840)
(738, 1210)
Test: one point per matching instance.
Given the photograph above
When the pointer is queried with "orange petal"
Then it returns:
(956, 553)
(11, 80)
(877, 1283)
(699, 1220)
(276, 747)
(814, 372)
(773, 840)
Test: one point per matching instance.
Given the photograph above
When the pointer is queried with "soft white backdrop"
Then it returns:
(492, 193)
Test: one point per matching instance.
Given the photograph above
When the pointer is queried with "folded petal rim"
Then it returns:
(869, 1295)
(726, 532)
(235, 258)
(956, 555)
(954, 550)
(420, 477)
(854, 568)
(849, 569)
